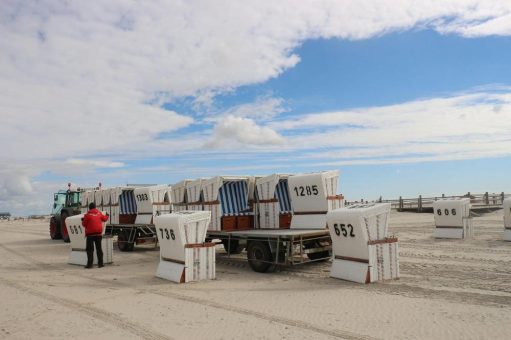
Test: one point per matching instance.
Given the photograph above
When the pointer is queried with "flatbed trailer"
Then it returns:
(269, 248)
(130, 234)
(266, 248)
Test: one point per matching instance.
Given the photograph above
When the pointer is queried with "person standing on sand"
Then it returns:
(93, 224)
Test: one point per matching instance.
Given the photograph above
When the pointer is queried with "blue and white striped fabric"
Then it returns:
(234, 198)
(282, 194)
(127, 203)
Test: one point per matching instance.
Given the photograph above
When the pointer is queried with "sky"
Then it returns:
(403, 97)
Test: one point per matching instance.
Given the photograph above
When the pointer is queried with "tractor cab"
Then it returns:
(73, 199)
(59, 201)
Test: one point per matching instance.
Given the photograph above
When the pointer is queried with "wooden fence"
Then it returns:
(423, 204)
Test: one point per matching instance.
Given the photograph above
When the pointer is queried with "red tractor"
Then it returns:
(65, 203)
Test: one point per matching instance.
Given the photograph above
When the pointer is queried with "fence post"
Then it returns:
(443, 195)
(486, 198)
(502, 195)
(419, 208)
(400, 203)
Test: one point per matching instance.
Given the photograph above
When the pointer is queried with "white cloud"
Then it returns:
(26, 196)
(15, 184)
(22, 192)
(467, 126)
(17, 191)
(86, 80)
(235, 132)
(263, 108)
(95, 163)
(493, 19)
(77, 77)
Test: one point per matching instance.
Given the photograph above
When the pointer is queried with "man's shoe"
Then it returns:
(88, 267)
(100, 265)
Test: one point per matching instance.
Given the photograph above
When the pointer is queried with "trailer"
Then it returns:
(132, 210)
(269, 248)
(129, 235)
(290, 227)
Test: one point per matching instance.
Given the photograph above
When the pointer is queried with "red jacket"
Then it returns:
(93, 222)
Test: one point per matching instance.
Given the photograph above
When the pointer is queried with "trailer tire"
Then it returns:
(63, 228)
(235, 247)
(324, 255)
(54, 229)
(122, 241)
(259, 256)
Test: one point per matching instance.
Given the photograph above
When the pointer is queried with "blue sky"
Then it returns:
(402, 102)
(336, 74)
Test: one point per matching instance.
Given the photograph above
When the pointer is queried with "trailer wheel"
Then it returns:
(324, 255)
(122, 241)
(234, 246)
(259, 256)
(54, 229)
(63, 227)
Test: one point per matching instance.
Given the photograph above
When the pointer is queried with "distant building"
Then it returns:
(5, 215)
(38, 217)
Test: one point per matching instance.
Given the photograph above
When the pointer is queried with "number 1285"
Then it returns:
(307, 190)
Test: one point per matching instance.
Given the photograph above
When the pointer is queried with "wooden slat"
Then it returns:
(353, 259)
(200, 245)
(383, 241)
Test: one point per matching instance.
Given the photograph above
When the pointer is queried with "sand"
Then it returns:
(449, 289)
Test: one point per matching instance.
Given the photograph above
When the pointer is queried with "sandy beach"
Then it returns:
(449, 289)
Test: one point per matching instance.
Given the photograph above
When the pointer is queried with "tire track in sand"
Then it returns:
(452, 248)
(30, 232)
(265, 316)
(152, 335)
(412, 283)
(93, 312)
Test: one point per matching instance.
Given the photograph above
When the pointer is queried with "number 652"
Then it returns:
(343, 228)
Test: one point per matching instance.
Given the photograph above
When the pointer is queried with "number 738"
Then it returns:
(343, 228)
(169, 234)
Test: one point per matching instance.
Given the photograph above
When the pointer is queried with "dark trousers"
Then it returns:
(89, 248)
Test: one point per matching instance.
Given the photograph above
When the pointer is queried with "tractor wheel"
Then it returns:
(232, 247)
(63, 227)
(54, 229)
(259, 256)
(122, 241)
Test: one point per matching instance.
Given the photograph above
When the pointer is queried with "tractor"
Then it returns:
(65, 203)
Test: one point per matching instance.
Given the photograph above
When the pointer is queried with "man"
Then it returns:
(93, 224)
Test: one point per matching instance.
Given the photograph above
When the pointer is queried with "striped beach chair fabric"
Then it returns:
(128, 205)
(282, 194)
(234, 198)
